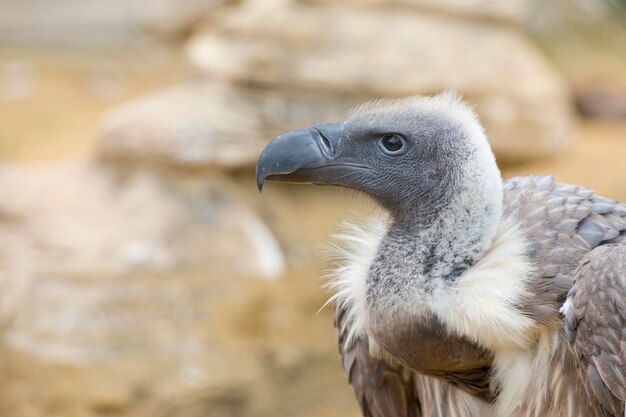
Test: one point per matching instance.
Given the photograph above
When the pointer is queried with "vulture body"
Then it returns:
(467, 296)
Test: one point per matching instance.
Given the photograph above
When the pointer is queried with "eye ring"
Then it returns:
(393, 144)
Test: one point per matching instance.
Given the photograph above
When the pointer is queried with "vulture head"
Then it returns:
(425, 160)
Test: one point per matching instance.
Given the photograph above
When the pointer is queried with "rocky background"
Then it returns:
(142, 274)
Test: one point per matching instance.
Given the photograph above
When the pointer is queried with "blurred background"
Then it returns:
(142, 274)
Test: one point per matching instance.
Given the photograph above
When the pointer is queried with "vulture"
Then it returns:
(467, 296)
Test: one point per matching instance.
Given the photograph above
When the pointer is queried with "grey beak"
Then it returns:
(294, 156)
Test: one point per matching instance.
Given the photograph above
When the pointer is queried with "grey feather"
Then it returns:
(591, 231)
(596, 328)
(381, 389)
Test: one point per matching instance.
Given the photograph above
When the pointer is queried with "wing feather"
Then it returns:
(381, 389)
(596, 326)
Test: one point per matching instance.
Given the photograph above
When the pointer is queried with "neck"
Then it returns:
(447, 244)
(418, 254)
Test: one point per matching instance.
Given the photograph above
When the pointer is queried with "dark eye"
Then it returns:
(392, 144)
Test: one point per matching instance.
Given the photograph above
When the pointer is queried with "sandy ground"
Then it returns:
(283, 354)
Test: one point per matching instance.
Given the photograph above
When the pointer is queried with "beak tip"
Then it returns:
(260, 178)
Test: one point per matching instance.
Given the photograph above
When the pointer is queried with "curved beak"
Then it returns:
(311, 155)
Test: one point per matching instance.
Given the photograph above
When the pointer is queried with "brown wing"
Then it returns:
(596, 327)
(563, 223)
(382, 389)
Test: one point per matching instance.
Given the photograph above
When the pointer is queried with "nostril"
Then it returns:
(326, 141)
(328, 138)
(328, 148)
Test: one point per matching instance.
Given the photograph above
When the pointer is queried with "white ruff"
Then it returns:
(481, 306)
(355, 250)
(532, 382)
(483, 303)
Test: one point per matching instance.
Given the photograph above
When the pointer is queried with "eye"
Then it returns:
(392, 144)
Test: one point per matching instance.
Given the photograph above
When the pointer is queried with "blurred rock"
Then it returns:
(195, 125)
(18, 80)
(112, 284)
(94, 223)
(547, 17)
(171, 17)
(97, 22)
(108, 81)
(513, 11)
(16, 271)
(344, 54)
